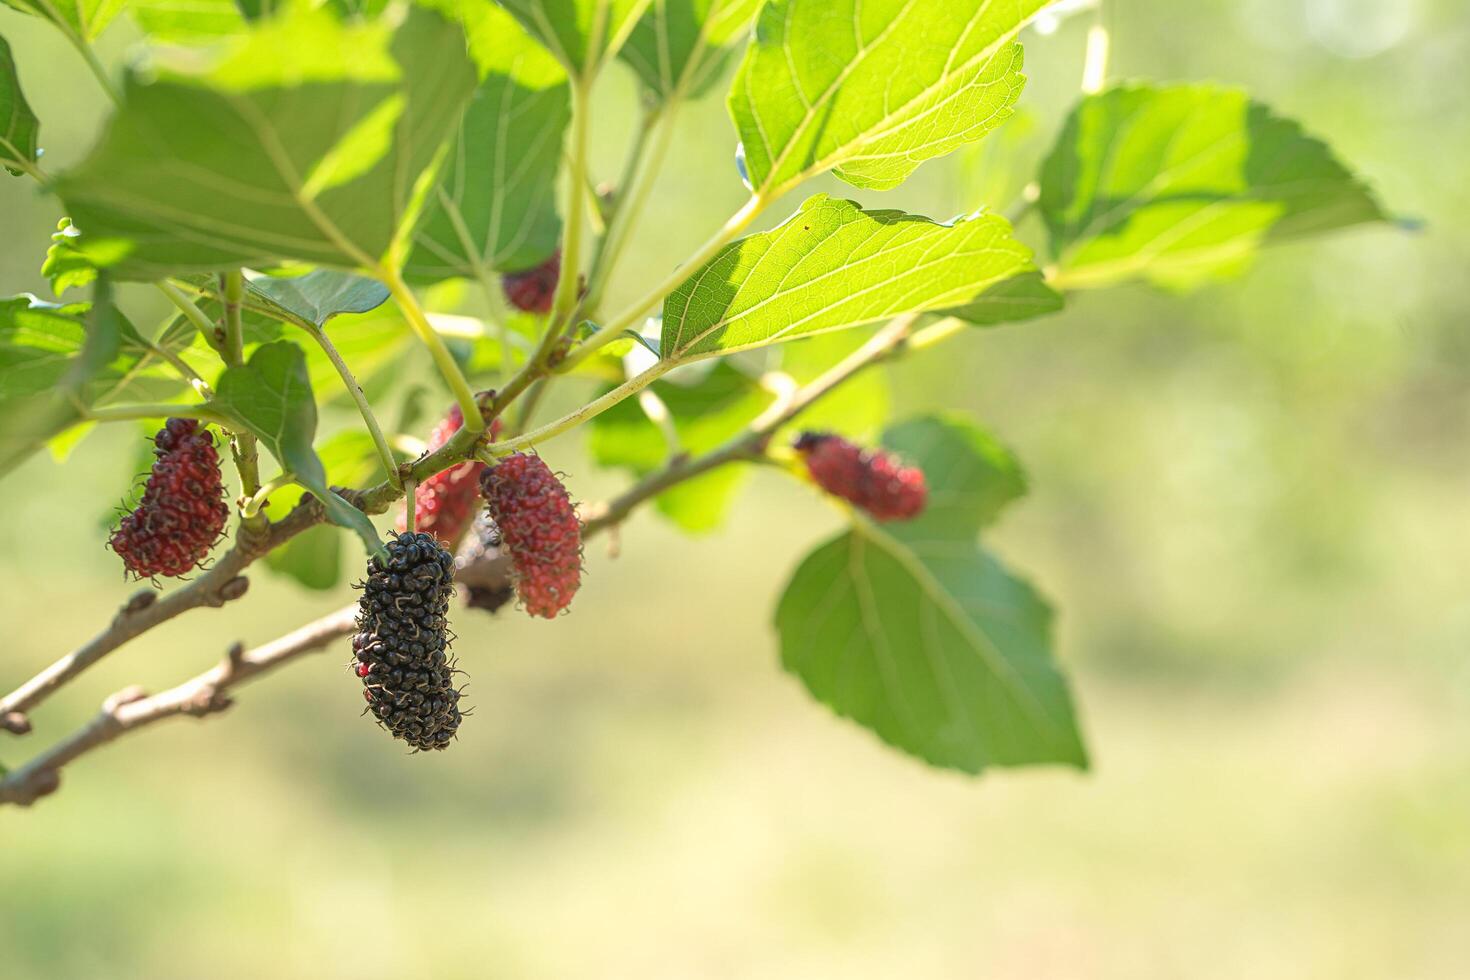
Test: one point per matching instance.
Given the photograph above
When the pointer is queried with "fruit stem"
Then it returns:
(181, 366)
(418, 321)
(411, 504)
(257, 500)
(571, 249)
(359, 398)
(1095, 67)
(588, 411)
(630, 193)
(84, 48)
(125, 413)
(206, 327)
(232, 351)
(732, 228)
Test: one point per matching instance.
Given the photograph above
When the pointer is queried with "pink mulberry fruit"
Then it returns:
(540, 530)
(872, 479)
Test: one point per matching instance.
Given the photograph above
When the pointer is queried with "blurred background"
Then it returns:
(1251, 507)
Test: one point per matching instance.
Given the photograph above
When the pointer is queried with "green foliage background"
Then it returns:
(1252, 507)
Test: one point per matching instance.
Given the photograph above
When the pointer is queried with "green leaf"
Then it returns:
(188, 21)
(314, 557)
(311, 141)
(271, 396)
(873, 88)
(581, 34)
(678, 47)
(316, 297)
(1025, 296)
(66, 265)
(916, 632)
(1179, 185)
(18, 124)
(495, 208)
(971, 476)
(705, 415)
(833, 265)
(58, 361)
(83, 19)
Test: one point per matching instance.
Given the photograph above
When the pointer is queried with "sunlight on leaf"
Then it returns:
(679, 47)
(84, 19)
(581, 34)
(209, 171)
(833, 265)
(873, 88)
(495, 207)
(1180, 185)
(49, 372)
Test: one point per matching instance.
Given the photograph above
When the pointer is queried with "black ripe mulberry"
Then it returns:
(402, 642)
(182, 512)
(447, 500)
(540, 530)
(874, 480)
(534, 289)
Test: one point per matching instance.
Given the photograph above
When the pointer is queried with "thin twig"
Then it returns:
(131, 709)
(750, 445)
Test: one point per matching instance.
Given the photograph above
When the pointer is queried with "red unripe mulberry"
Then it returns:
(874, 480)
(540, 530)
(182, 512)
(533, 290)
(447, 501)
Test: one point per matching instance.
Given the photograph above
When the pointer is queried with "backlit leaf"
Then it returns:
(581, 34)
(833, 265)
(309, 141)
(1024, 296)
(188, 21)
(57, 361)
(679, 46)
(872, 88)
(1182, 184)
(494, 210)
(84, 19)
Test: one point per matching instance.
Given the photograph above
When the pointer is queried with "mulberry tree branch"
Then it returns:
(131, 709)
(750, 445)
(222, 583)
(205, 694)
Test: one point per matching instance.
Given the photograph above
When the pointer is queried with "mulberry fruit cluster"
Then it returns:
(539, 528)
(447, 500)
(533, 290)
(874, 480)
(402, 642)
(182, 512)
